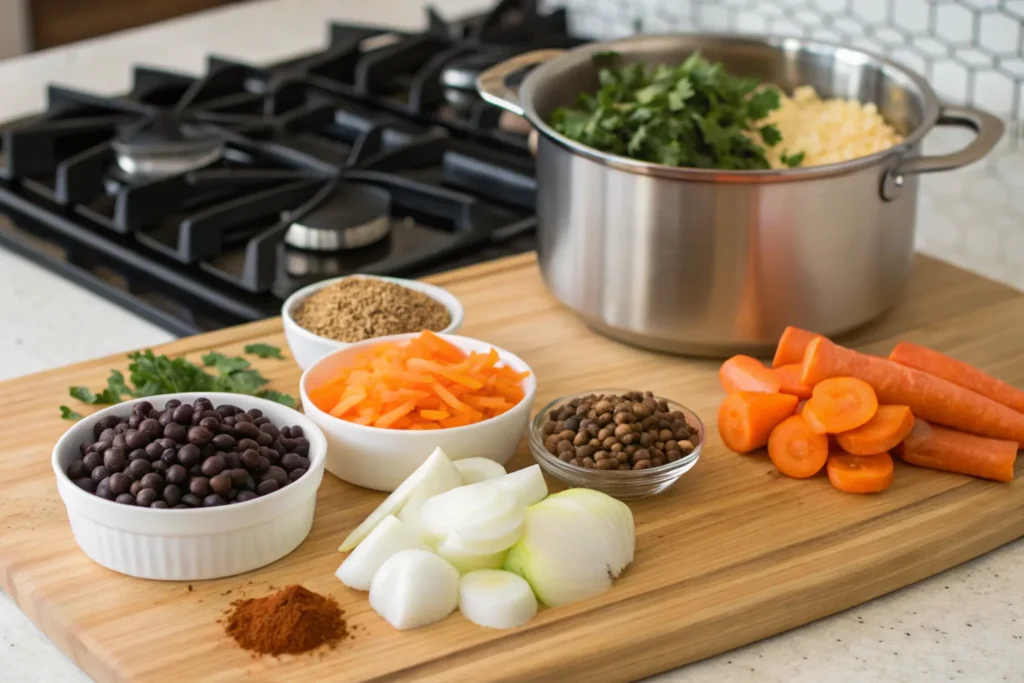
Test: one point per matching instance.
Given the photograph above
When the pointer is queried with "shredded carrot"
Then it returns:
(422, 383)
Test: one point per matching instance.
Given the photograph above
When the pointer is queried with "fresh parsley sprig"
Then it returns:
(150, 374)
(693, 115)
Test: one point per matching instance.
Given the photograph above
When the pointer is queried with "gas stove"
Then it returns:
(203, 202)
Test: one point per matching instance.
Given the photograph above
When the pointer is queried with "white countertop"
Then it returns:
(966, 624)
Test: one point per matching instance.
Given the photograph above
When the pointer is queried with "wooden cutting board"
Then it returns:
(732, 554)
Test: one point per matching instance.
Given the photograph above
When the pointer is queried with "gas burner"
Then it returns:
(343, 216)
(162, 146)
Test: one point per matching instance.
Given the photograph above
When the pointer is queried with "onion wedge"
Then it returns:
(496, 599)
(476, 470)
(388, 538)
(414, 588)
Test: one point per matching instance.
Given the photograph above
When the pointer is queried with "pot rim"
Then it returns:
(784, 43)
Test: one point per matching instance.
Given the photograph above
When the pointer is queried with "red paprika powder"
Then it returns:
(291, 621)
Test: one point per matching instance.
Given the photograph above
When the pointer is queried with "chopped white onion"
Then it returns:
(465, 560)
(414, 588)
(437, 467)
(574, 544)
(388, 538)
(480, 518)
(475, 470)
(527, 484)
(496, 599)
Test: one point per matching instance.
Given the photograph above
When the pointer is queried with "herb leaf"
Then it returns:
(68, 414)
(84, 395)
(278, 397)
(224, 364)
(261, 350)
(792, 160)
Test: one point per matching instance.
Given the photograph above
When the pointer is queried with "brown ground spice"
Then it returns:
(291, 621)
(357, 308)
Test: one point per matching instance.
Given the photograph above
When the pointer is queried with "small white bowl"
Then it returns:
(307, 348)
(381, 459)
(194, 544)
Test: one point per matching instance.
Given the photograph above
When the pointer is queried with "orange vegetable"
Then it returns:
(747, 418)
(419, 384)
(929, 397)
(789, 380)
(948, 450)
(743, 373)
(792, 345)
(860, 473)
(959, 373)
(880, 434)
(796, 449)
(840, 404)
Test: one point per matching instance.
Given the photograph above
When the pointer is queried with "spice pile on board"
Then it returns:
(291, 621)
(358, 308)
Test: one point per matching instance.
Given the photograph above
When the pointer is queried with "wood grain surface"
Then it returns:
(733, 553)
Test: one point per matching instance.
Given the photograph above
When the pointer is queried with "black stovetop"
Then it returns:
(191, 201)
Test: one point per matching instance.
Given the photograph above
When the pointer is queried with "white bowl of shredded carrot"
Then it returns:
(385, 404)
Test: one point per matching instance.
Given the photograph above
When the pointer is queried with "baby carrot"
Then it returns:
(959, 373)
(840, 404)
(792, 345)
(951, 451)
(789, 380)
(880, 434)
(747, 418)
(743, 373)
(929, 397)
(860, 473)
(797, 450)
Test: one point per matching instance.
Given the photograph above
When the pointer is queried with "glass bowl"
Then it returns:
(621, 484)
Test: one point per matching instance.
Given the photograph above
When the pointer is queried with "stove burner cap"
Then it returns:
(162, 145)
(350, 217)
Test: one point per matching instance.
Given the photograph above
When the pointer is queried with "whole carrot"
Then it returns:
(951, 451)
(958, 372)
(929, 397)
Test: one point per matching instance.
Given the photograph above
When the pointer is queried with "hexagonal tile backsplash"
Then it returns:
(972, 51)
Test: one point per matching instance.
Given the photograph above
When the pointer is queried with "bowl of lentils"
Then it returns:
(332, 314)
(190, 486)
(628, 444)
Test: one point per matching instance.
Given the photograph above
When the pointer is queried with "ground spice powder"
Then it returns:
(291, 621)
(359, 308)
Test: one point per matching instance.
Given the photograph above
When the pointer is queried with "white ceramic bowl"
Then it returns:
(381, 459)
(307, 348)
(200, 543)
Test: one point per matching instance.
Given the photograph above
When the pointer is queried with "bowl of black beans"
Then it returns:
(628, 444)
(190, 486)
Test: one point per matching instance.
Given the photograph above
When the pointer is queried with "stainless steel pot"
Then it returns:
(715, 262)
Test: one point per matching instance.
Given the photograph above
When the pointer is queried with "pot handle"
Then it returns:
(988, 129)
(491, 83)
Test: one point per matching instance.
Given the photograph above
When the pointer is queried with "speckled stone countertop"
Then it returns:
(966, 624)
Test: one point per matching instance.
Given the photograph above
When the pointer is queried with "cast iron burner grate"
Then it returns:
(203, 202)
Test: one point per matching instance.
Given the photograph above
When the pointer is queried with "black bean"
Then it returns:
(176, 474)
(114, 459)
(189, 455)
(199, 436)
(146, 497)
(99, 473)
(166, 443)
(107, 435)
(247, 430)
(250, 459)
(172, 494)
(119, 442)
(160, 466)
(138, 454)
(249, 484)
(106, 423)
(153, 480)
(159, 504)
(211, 423)
(302, 447)
(277, 474)
(254, 413)
(137, 469)
(86, 484)
(134, 420)
(166, 418)
(154, 450)
(173, 403)
(76, 470)
(199, 486)
(239, 418)
(85, 447)
(135, 488)
(289, 461)
(262, 420)
(266, 487)
(243, 496)
(232, 461)
(151, 428)
(196, 470)
(142, 408)
(269, 428)
(213, 465)
(121, 427)
(177, 433)
(202, 404)
(229, 421)
(119, 483)
(103, 489)
(213, 500)
(247, 444)
(183, 414)
(226, 410)
(92, 460)
(224, 442)
(296, 473)
(125, 499)
(238, 477)
(264, 439)
(191, 500)
(170, 456)
(221, 483)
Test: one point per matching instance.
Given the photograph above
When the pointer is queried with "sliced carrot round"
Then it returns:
(840, 404)
(860, 473)
(796, 449)
(880, 434)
